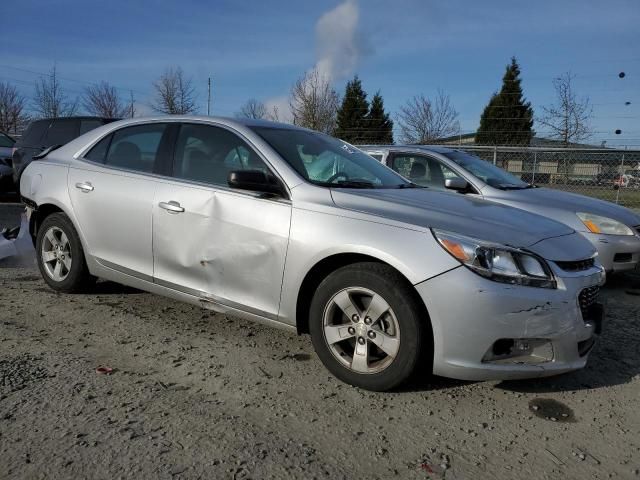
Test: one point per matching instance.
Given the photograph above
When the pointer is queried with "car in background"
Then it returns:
(612, 229)
(293, 228)
(6, 167)
(50, 132)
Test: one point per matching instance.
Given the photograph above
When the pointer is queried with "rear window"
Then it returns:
(34, 134)
(61, 132)
(6, 141)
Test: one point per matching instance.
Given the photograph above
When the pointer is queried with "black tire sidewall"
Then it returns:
(388, 283)
(78, 276)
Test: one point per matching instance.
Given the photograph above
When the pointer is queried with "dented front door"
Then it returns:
(225, 246)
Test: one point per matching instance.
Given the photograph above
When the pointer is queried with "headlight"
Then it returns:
(598, 224)
(497, 262)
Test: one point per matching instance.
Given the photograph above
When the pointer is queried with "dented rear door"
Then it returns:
(223, 245)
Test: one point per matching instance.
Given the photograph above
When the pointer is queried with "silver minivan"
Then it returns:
(296, 229)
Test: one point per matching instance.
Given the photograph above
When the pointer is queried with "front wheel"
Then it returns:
(367, 326)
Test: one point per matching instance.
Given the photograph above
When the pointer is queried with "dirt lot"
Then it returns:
(199, 395)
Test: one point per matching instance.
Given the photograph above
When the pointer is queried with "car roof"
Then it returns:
(230, 121)
(426, 148)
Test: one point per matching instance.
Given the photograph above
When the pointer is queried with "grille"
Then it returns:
(587, 298)
(577, 266)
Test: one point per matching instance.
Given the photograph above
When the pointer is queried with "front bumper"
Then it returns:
(469, 314)
(616, 253)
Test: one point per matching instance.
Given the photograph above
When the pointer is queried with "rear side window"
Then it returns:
(61, 132)
(5, 141)
(99, 150)
(134, 148)
(34, 134)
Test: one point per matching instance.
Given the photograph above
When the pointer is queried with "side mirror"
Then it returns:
(456, 183)
(255, 181)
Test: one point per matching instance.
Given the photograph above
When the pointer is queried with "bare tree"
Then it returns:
(314, 103)
(103, 100)
(175, 93)
(50, 99)
(253, 109)
(12, 109)
(569, 118)
(131, 108)
(422, 120)
(273, 114)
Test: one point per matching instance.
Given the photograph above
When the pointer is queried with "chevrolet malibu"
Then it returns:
(613, 230)
(293, 228)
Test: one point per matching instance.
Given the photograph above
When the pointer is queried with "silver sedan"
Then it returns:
(296, 229)
(613, 230)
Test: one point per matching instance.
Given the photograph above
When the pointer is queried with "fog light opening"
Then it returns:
(520, 350)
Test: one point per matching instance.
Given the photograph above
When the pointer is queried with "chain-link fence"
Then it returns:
(608, 174)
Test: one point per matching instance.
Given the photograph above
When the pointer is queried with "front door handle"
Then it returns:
(171, 207)
(86, 187)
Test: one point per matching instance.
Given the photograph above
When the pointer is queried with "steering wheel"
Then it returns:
(335, 176)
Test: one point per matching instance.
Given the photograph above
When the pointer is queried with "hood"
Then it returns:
(572, 202)
(453, 212)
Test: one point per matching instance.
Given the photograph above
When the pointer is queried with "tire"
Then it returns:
(337, 335)
(58, 246)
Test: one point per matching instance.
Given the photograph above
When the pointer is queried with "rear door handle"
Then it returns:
(171, 206)
(86, 187)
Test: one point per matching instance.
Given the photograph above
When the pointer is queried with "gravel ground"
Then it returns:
(195, 394)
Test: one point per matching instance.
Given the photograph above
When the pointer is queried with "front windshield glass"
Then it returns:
(487, 172)
(329, 162)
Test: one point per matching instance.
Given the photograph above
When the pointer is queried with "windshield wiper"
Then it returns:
(355, 184)
(510, 186)
(411, 185)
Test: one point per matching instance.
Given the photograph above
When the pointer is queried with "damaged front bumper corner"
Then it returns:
(484, 330)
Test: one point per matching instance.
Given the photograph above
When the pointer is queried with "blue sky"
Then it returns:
(401, 47)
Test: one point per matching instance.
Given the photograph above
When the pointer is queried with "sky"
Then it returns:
(256, 49)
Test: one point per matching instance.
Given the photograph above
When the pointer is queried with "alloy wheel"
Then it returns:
(361, 330)
(56, 254)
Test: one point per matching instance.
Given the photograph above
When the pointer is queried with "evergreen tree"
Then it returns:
(379, 126)
(508, 118)
(351, 122)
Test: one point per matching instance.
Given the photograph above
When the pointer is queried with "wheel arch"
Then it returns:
(39, 214)
(325, 267)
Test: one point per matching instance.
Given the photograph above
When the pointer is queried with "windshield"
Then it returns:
(329, 162)
(487, 172)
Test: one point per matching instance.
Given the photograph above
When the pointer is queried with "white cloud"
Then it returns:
(338, 47)
(281, 106)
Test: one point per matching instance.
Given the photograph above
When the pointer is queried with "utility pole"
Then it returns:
(209, 97)
(131, 106)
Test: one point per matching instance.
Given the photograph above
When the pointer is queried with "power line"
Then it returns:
(85, 82)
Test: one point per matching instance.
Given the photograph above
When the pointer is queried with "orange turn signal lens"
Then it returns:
(593, 228)
(454, 249)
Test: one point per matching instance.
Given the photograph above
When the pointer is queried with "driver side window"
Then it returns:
(423, 171)
(207, 154)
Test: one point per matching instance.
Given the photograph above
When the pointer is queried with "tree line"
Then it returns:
(507, 119)
(173, 94)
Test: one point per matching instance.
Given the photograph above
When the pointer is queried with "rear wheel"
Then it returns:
(60, 255)
(366, 326)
